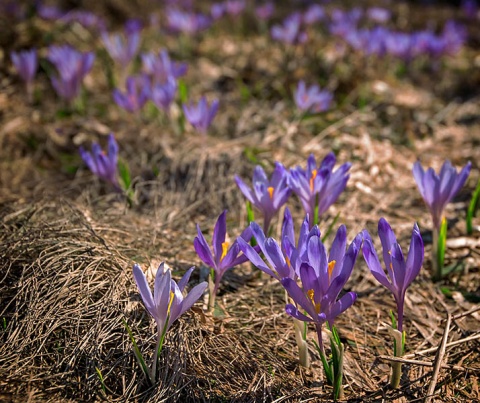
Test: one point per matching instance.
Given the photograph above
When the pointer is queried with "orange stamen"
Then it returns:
(311, 294)
(314, 175)
(224, 250)
(331, 266)
(270, 191)
(172, 297)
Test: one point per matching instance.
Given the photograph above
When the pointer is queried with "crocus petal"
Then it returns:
(202, 249)
(275, 256)
(295, 313)
(398, 267)
(387, 237)
(254, 257)
(219, 234)
(373, 263)
(461, 179)
(161, 291)
(184, 280)
(298, 296)
(415, 256)
(337, 250)
(245, 189)
(190, 299)
(143, 288)
(418, 174)
(340, 306)
(287, 227)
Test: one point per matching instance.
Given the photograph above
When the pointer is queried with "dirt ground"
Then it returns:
(68, 241)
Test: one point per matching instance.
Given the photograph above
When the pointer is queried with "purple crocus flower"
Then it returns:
(312, 99)
(319, 186)
(26, 64)
(185, 22)
(201, 115)
(72, 67)
(267, 195)
(84, 18)
(290, 31)
(322, 279)
(234, 7)
(167, 303)
(400, 272)
(379, 14)
(438, 190)
(162, 95)
(122, 48)
(225, 255)
(104, 165)
(265, 11)
(217, 10)
(313, 14)
(160, 67)
(136, 95)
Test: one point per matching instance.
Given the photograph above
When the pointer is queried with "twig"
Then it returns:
(427, 363)
(453, 343)
(461, 315)
(438, 360)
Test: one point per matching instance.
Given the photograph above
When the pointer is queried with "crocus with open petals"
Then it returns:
(267, 195)
(167, 303)
(136, 95)
(104, 165)
(201, 115)
(438, 190)
(400, 272)
(123, 47)
(318, 187)
(225, 255)
(322, 278)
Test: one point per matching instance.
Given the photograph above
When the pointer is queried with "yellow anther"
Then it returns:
(172, 297)
(331, 266)
(270, 191)
(311, 295)
(289, 264)
(312, 178)
(224, 250)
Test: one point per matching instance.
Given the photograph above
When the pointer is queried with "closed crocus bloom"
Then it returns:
(123, 47)
(26, 63)
(399, 272)
(438, 190)
(201, 115)
(72, 67)
(267, 195)
(136, 95)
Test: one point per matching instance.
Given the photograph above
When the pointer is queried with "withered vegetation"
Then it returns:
(67, 243)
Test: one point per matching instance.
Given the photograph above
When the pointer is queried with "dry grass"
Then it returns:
(67, 244)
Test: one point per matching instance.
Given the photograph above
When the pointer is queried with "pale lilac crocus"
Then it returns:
(268, 196)
(161, 67)
(167, 303)
(186, 22)
(225, 255)
(201, 115)
(399, 272)
(290, 31)
(123, 47)
(26, 64)
(438, 190)
(313, 14)
(234, 7)
(103, 164)
(72, 67)
(312, 99)
(318, 187)
(217, 10)
(137, 93)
